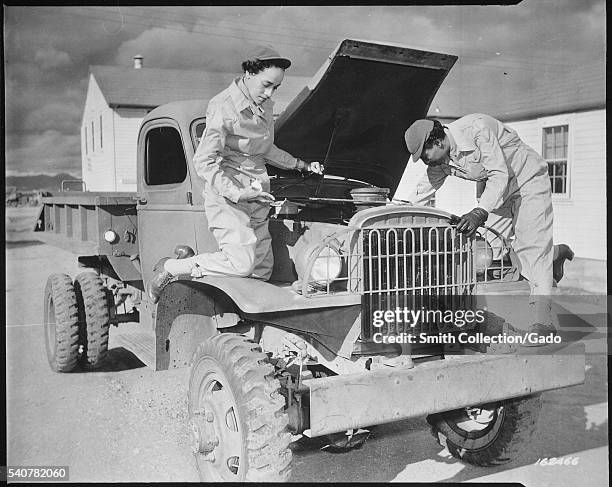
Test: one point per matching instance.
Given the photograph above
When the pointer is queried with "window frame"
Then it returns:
(193, 132)
(164, 186)
(557, 121)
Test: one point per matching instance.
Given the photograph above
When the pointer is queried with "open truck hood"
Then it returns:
(362, 100)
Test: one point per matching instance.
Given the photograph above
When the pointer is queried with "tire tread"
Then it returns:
(66, 347)
(92, 293)
(267, 435)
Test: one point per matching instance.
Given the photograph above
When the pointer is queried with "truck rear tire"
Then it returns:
(490, 434)
(236, 413)
(94, 310)
(61, 323)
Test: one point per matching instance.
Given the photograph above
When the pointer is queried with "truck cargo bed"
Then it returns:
(77, 221)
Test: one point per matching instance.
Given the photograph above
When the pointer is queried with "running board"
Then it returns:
(140, 344)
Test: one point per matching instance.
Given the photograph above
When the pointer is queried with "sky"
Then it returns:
(48, 51)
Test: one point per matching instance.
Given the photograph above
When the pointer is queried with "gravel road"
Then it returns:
(126, 423)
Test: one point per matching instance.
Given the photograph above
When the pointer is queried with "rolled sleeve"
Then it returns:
(494, 162)
(426, 188)
(208, 156)
(280, 158)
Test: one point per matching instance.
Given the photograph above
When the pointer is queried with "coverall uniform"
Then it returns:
(516, 194)
(236, 144)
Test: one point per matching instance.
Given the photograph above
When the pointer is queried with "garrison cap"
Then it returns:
(267, 53)
(416, 135)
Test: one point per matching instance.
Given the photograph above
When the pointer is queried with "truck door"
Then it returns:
(165, 209)
(205, 240)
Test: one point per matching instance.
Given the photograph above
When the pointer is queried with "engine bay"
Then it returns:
(327, 199)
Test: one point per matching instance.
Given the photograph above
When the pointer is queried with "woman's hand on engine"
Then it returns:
(315, 167)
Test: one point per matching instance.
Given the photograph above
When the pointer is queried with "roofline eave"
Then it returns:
(531, 114)
(132, 105)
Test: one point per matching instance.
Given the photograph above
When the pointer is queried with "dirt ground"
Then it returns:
(126, 423)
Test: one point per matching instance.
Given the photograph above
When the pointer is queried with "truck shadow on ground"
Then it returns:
(117, 360)
(571, 420)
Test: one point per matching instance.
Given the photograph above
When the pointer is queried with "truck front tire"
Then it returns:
(488, 435)
(236, 413)
(94, 309)
(61, 323)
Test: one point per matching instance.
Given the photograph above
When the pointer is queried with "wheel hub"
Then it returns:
(477, 418)
(203, 430)
(217, 439)
(480, 415)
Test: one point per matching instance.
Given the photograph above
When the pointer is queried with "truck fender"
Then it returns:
(187, 313)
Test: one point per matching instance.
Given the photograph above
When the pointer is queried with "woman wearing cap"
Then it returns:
(231, 158)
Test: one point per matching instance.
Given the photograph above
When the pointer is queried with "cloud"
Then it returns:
(174, 46)
(32, 108)
(48, 51)
(50, 152)
(50, 58)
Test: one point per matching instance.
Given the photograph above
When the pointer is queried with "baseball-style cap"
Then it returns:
(416, 135)
(267, 53)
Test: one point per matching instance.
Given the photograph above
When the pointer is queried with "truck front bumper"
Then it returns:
(343, 402)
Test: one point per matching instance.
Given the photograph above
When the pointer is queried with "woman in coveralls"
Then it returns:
(516, 198)
(236, 145)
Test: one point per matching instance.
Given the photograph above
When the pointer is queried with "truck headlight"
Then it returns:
(483, 255)
(327, 266)
(319, 265)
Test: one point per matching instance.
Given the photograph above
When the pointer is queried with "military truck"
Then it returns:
(317, 350)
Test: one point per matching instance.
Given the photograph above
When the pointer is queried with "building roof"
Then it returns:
(149, 87)
(467, 89)
(473, 89)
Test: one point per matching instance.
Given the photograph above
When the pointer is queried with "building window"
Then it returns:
(101, 140)
(93, 140)
(554, 150)
(86, 149)
(165, 161)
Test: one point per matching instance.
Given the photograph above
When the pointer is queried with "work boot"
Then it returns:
(160, 280)
(540, 330)
(183, 251)
(561, 252)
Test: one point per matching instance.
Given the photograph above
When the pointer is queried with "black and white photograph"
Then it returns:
(308, 244)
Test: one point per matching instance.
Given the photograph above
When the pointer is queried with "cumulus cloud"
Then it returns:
(50, 58)
(502, 51)
(50, 151)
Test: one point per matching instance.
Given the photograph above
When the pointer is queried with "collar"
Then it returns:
(239, 97)
(462, 143)
(242, 100)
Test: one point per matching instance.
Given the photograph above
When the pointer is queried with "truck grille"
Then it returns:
(417, 268)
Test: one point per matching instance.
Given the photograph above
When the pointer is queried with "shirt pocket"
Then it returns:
(473, 166)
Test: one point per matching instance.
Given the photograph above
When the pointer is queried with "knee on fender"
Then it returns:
(242, 261)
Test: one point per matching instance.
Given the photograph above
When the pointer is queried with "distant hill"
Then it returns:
(38, 181)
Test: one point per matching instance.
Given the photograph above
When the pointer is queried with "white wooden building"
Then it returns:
(568, 127)
(119, 97)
